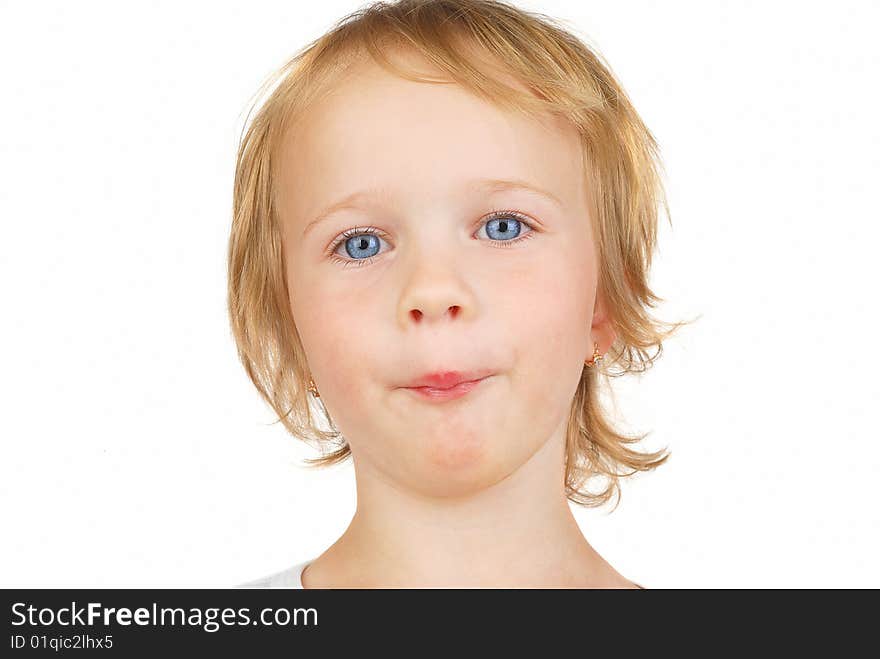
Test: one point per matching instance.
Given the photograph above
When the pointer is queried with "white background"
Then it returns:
(135, 452)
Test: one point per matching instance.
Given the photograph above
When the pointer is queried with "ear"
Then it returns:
(602, 330)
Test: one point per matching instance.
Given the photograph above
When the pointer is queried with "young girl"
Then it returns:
(444, 217)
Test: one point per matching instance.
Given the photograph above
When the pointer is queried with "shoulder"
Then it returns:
(287, 578)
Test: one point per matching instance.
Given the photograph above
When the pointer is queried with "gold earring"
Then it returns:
(313, 389)
(596, 359)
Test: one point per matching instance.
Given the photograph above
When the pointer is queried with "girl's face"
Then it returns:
(440, 284)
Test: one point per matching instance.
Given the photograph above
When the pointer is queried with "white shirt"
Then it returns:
(288, 578)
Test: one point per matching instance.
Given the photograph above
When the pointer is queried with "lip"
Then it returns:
(443, 380)
(450, 393)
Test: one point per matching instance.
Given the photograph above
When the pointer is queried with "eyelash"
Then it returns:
(494, 215)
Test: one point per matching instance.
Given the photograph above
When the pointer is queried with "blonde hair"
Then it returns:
(564, 77)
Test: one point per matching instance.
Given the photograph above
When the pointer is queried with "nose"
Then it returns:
(435, 291)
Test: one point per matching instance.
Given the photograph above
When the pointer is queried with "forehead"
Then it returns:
(374, 129)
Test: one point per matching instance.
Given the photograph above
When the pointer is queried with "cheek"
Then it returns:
(324, 326)
(552, 307)
(551, 329)
(340, 360)
(324, 309)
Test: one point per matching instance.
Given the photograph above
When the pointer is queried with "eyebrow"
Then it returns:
(356, 200)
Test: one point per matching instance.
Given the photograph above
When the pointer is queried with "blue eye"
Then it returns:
(358, 246)
(503, 228)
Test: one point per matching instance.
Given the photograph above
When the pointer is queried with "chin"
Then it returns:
(457, 447)
(458, 468)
